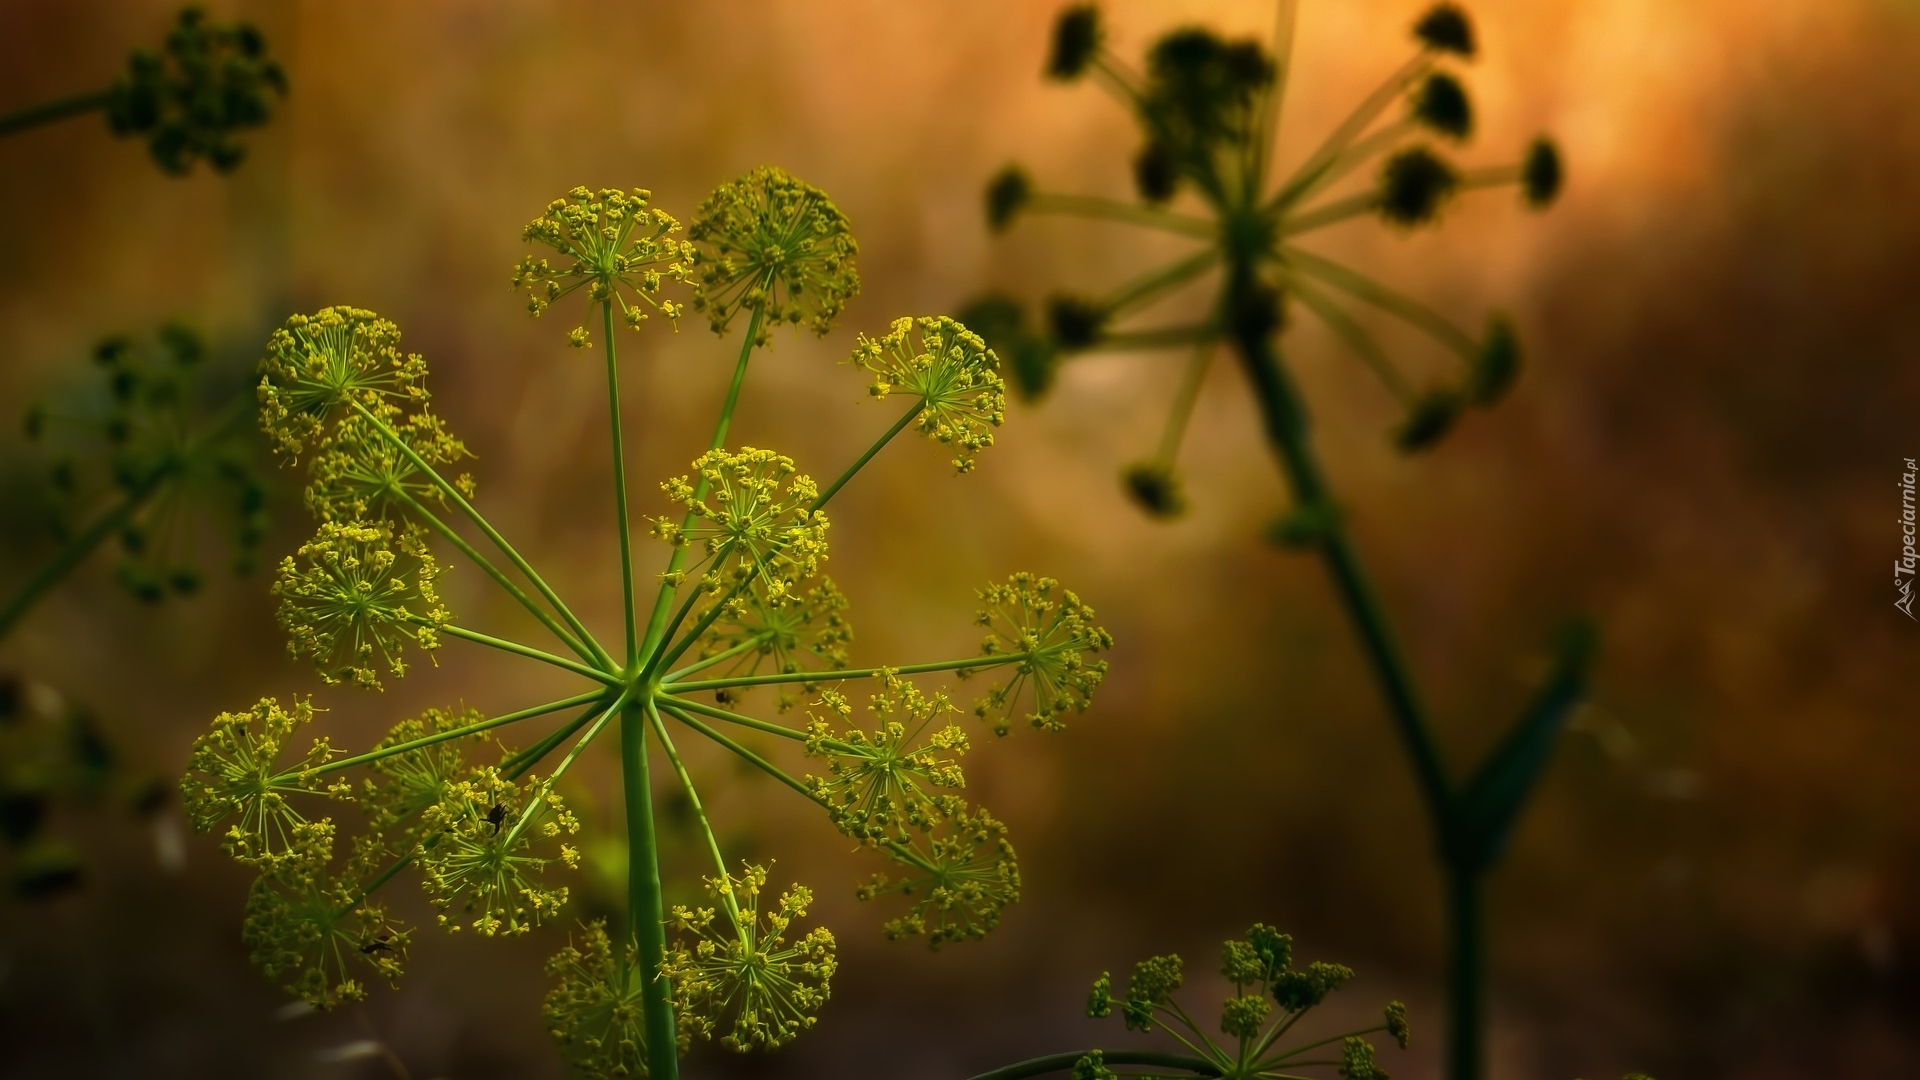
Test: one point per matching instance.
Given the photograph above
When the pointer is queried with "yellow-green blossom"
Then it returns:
(595, 1012)
(785, 633)
(355, 596)
(317, 930)
(895, 779)
(959, 877)
(1051, 633)
(756, 522)
(319, 366)
(235, 771)
(952, 372)
(616, 245)
(741, 972)
(477, 853)
(771, 243)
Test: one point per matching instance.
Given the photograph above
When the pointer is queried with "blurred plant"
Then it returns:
(146, 462)
(739, 604)
(1207, 109)
(55, 759)
(1259, 967)
(208, 82)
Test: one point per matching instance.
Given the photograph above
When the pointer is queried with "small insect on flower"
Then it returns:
(960, 876)
(470, 864)
(596, 1013)
(354, 596)
(756, 523)
(1050, 636)
(953, 373)
(306, 924)
(235, 771)
(623, 250)
(742, 972)
(776, 246)
(894, 780)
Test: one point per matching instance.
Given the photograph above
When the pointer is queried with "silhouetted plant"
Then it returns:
(1207, 110)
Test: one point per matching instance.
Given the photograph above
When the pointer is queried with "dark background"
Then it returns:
(1719, 876)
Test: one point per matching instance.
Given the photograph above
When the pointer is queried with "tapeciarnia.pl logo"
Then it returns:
(1903, 567)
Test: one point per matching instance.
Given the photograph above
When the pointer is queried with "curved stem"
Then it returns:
(646, 919)
(620, 482)
(1053, 1063)
(78, 549)
(527, 651)
(48, 112)
(452, 493)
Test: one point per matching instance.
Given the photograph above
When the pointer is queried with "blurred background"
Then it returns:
(1719, 876)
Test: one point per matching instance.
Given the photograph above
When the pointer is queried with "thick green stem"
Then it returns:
(48, 112)
(646, 915)
(1466, 975)
(77, 550)
(620, 483)
(1285, 420)
(1059, 1063)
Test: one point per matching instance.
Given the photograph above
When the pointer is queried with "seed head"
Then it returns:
(1156, 489)
(210, 81)
(1540, 173)
(1413, 185)
(1007, 194)
(1441, 104)
(1076, 38)
(1445, 28)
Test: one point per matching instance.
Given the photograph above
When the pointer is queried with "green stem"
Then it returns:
(372, 756)
(500, 578)
(1356, 337)
(620, 483)
(733, 717)
(1330, 213)
(663, 603)
(1053, 1063)
(79, 548)
(1094, 206)
(1395, 303)
(1162, 337)
(703, 664)
(842, 674)
(860, 462)
(742, 752)
(522, 762)
(452, 493)
(527, 651)
(1364, 114)
(1183, 403)
(48, 112)
(1466, 975)
(1154, 284)
(646, 918)
(579, 747)
(699, 812)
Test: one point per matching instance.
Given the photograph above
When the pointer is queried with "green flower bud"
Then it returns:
(1445, 28)
(1540, 173)
(1076, 38)
(1441, 104)
(1413, 184)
